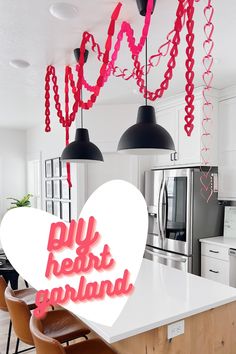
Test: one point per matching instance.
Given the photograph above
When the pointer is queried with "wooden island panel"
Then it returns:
(210, 332)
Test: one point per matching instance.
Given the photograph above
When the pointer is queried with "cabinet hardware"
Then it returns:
(176, 156)
(214, 251)
(214, 271)
(171, 157)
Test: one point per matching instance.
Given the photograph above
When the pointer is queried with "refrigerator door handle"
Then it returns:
(171, 258)
(160, 209)
(166, 208)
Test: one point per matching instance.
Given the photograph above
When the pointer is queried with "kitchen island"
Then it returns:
(164, 295)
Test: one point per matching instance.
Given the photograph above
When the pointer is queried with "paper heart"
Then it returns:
(122, 221)
(208, 13)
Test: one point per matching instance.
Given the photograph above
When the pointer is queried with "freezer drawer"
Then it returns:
(171, 259)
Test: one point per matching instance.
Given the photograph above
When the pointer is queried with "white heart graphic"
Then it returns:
(122, 221)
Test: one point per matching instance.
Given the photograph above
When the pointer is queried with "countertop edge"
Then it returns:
(226, 243)
(158, 324)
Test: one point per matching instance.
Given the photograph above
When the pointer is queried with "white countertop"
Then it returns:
(221, 241)
(163, 295)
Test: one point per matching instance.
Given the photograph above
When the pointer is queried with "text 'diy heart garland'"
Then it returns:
(208, 45)
(81, 264)
(86, 266)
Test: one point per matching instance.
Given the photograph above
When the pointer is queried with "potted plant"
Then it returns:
(24, 202)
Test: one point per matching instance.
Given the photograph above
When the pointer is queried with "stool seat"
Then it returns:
(27, 295)
(57, 323)
(45, 344)
(91, 346)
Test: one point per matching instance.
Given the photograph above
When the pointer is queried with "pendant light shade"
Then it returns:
(142, 6)
(82, 150)
(146, 136)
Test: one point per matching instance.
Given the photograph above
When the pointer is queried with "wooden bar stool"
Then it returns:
(48, 345)
(59, 324)
(27, 295)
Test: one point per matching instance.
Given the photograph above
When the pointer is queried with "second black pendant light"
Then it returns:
(146, 136)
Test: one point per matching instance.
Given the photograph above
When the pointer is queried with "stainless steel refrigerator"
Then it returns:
(179, 217)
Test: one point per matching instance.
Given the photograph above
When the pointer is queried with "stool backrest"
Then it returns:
(43, 343)
(20, 316)
(3, 286)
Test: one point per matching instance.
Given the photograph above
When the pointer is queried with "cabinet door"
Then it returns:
(227, 150)
(168, 119)
(189, 151)
(227, 174)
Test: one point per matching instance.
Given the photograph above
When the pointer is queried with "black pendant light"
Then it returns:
(81, 150)
(142, 6)
(146, 136)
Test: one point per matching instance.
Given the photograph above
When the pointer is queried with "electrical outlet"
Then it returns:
(175, 329)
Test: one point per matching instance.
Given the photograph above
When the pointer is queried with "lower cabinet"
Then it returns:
(215, 269)
(215, 262)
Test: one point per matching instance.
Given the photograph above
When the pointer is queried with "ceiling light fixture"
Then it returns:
(19, 63)
(142, 6)
(146, 136)
(64, 11)
(82, 149)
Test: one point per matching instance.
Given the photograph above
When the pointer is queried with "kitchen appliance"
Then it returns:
(232, 267)
(230, 221)
(179, 216)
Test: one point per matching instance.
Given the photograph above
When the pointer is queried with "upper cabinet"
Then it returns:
(227, 149)
(171, 115)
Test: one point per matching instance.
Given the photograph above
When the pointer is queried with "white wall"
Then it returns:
(106, 125)
(42, 146)
(12, 166)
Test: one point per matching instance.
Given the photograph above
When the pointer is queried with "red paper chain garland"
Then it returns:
(208, 46)
(189, 98)
(185, 7)
(105, 74)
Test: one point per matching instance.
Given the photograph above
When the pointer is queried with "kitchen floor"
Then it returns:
(4, 323)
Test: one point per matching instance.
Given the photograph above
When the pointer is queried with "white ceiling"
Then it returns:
(29, 32)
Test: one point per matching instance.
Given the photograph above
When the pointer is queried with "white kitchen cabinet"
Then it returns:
(215, 262)
(215, 269)
(168, 119)
(227, 149)
(171, 116)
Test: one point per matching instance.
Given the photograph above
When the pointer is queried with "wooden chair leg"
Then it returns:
(9, 337)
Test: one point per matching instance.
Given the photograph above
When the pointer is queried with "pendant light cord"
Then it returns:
(146, 70)
(82, 111)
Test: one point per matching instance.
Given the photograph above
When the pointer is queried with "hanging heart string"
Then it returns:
(208, 46)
